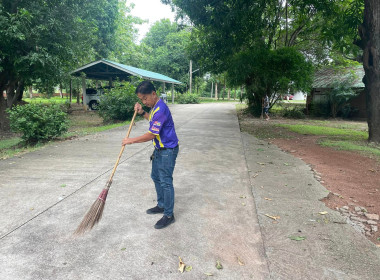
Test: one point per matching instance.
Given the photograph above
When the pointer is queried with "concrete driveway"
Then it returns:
(221, 180)
(45, 194)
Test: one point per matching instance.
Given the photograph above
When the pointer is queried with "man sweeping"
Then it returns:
(162, 133)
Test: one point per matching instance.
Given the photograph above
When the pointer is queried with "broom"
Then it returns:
(94, 215)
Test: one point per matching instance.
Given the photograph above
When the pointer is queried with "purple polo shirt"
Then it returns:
(161, 124)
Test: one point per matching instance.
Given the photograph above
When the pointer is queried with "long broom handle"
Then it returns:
(121, 152)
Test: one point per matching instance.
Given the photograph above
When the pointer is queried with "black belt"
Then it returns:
(161, 149)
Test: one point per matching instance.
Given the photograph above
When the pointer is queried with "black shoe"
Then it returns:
(155, 210)
(164, 222)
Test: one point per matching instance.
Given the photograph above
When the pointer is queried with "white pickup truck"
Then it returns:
(93, 97)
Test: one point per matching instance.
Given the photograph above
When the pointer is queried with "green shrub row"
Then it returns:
(188, 99)
(118, 103)
(38, 122)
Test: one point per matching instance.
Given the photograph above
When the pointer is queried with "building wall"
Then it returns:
(358, 103)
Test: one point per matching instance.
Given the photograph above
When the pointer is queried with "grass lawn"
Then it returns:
(55, 99)
(338, 134)
(212, 100)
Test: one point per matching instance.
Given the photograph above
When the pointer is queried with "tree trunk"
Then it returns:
(30, 92)
(10, 93)
(216, 90)
(286, 23)
(71, 91)
(224, 91)
(370, 35)
(19, 92)
(4, 121)
(212, 88)
(60, 90)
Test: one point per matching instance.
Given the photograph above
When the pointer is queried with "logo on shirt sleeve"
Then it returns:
(156, 123)
(155, 128)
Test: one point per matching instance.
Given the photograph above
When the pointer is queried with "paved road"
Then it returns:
(221, 180)
(45, 194)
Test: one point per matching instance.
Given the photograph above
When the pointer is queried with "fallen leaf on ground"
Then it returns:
(267, 198)
(254, 176)
(243, 203)
(323, 212)
(240, 261)
(297, 238)
(218, 265)
(181, 265)
(372, 170)
(208, 274)
(243, 196)
(188, 268)
(123, 249)
(273, 217)
(285, 163)
(261, 163)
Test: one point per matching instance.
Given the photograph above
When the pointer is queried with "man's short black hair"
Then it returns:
(145, 87)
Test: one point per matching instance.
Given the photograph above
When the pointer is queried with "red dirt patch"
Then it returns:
(353, 178)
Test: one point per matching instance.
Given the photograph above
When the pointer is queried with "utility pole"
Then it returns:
(191, 73)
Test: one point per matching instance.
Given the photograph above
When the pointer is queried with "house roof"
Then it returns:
(326, 77)
(105, 69)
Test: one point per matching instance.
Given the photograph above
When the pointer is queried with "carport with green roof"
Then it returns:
(106, 70)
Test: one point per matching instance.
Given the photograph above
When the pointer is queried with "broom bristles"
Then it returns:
(94, 215)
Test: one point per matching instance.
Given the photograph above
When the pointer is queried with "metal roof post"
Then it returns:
(164, 93)
(84, 93)
(172, 93)
(190, 74)
(71, 90)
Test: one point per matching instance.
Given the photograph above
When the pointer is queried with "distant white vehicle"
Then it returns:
(93, 97)
(164, 97)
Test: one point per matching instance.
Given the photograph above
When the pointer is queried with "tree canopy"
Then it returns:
(323, 31)
(165, 50)
(41, 40)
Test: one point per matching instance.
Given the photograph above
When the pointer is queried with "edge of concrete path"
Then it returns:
(284, 186)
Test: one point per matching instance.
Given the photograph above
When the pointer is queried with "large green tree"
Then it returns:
(324, 31)
(250, 40)
(166, 45)
(370, 43)
(355, 25)
(126, 50)
(40, 40)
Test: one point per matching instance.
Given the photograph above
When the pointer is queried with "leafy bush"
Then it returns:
(294, 113)
(340, 95)
(188, 99)
(38, 122)
(320, 109)
(118, 103)
(348, 111)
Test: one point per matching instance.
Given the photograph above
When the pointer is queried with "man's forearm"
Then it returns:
(143, 138)
(145, 115)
